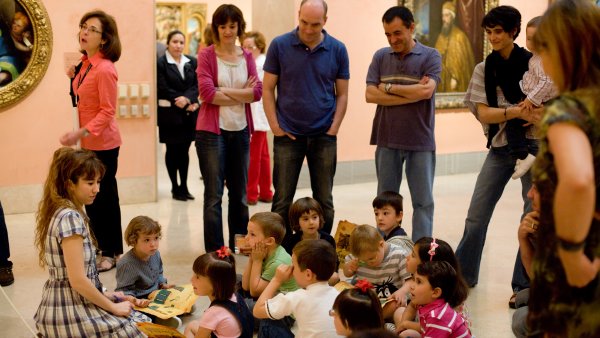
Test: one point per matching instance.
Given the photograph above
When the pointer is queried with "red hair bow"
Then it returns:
(364, 285)
(223, 252)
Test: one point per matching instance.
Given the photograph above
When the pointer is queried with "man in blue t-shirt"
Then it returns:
(401, 80)
(310, 70)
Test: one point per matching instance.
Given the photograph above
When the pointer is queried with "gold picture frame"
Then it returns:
(189, 18)
(480, 45)
(38, 41)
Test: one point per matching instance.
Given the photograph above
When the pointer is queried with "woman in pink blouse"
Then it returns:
(95, 87)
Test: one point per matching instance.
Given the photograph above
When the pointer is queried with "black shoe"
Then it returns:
(187, 194)
(179, 196)
(6, 276)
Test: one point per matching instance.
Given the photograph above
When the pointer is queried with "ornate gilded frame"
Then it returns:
(455, 100)
(189, 18)
(24, 84)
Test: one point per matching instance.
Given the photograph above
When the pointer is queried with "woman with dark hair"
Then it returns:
(228, 83)
(94, 86)
(564, 299)
(177, 110)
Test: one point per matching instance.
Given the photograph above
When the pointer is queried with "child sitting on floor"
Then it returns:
(265, 234)
(381, 263)
(306, 219)
(435, 293)
(357, 309)
(228, 315)
(313, 263)
(429, 249)
(140, 270)
(388, 210)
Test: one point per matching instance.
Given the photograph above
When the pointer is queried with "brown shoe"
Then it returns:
(511, 301)
(6, 276)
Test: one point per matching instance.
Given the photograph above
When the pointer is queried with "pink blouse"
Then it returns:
(97, 92)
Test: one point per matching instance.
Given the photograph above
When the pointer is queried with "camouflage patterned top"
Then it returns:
(555, 307)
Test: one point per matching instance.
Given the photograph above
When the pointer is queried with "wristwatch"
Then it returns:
(388, 87)
(85, 132)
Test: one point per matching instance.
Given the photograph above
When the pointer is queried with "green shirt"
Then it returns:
(270, 264)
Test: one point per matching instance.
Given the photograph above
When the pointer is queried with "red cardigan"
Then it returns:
(208, 117)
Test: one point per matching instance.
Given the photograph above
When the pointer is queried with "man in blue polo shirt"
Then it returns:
(310, 70)
(401, 80)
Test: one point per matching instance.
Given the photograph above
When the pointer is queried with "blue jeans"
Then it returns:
(321, 154)
(223, 158)
(497, 169)
(420, 169)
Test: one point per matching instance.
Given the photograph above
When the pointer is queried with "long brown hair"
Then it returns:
(112, 47)
(68, 167)
(569, 32)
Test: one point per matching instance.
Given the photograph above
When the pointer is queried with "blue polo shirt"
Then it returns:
(306, 100)
(410, 126)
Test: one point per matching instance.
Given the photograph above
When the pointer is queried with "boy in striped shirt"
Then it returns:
(381, 263)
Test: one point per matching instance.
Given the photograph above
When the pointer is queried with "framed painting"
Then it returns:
(453, 27)
(189, 18)
(25, 48)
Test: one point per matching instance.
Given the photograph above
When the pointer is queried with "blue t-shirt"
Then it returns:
(409, 126)
(306, 100)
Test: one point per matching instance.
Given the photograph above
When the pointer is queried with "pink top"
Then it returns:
(221, 322)
(438, 319)
(208, 117)
(97, 92)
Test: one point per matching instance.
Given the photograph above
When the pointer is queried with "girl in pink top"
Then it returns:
(436, 292)
(94, 84)
(228, 315)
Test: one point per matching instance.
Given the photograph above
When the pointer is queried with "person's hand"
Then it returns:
(277, 131)
(529, 225)
(181, 101)
(69, 139)
(579, 269)
(251, 82)
(283, 273)
(259, 252)
(425, 79)
(167, 286)
(352, 265)
(332, 131)
(381, 86)
(122, 309)
(71, 71)
(400, 296)
(140, 302)
(532, 116)
(193, 107)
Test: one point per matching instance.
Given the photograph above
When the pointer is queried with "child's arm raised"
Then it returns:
(256, 283)
(351, 266)
(282, 274)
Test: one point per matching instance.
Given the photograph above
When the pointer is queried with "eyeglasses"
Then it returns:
(91, 29)
(331, 312)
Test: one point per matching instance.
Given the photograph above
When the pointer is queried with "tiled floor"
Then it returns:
(182, 243)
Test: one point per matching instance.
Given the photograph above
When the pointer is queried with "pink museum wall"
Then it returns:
(29, 130)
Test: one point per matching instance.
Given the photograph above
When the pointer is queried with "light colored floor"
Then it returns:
(182, 243)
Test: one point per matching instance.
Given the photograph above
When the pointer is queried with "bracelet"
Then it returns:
(505, 118)
(570, 246)
(388, 87)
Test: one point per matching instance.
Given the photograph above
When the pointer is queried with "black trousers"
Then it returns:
(4, 246)
(105, 212)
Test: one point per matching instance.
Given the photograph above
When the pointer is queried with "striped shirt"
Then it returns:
(438, 319)
(538, 86)
(390, 275)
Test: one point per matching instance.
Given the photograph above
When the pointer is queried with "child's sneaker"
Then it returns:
(523, 166)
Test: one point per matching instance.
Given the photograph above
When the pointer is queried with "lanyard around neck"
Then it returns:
(80, 81)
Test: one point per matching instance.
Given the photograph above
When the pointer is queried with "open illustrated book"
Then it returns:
(167, 303)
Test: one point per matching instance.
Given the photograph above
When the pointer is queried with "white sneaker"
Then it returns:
(523, 166)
